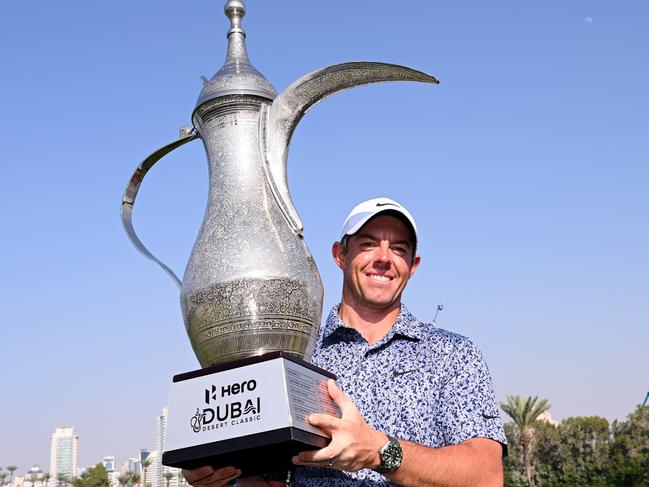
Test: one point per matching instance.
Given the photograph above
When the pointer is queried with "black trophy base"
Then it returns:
(273, 393)
(266, 452)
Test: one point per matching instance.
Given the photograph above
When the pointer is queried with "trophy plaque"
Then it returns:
(250, 413)
(251, 295)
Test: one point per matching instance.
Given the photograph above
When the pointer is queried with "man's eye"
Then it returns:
(367, 244)
(400, 250)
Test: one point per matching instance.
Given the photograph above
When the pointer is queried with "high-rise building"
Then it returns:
(109, 464)
(150, 478)
(144, 454)
(64, 453)
(161, 470)
(134, 465)
(160, 435)
(111, 470)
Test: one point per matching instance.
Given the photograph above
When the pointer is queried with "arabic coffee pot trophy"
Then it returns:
(251, 295)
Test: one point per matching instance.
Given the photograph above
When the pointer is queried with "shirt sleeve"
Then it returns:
(467, 399)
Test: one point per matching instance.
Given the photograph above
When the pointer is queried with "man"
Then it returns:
(418, 406)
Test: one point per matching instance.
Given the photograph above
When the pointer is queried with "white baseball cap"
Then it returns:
(366, 210)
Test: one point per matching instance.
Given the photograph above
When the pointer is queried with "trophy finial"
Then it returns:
(235, 11)
(237, 76)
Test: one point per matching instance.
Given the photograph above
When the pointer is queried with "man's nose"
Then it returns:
(383, 254)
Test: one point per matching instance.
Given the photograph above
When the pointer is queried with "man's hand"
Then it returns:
(354, 444)
(210, 477)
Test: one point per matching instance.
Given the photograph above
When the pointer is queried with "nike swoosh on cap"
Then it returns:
(386, 204)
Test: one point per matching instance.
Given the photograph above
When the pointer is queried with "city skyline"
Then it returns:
(64, 452)
(526, 170)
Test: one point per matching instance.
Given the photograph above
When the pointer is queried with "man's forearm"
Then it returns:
(476, 462)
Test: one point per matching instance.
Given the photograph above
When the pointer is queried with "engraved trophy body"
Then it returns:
(251, 295)
(251, 285)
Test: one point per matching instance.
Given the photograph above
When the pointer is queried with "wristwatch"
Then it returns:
(391, 456)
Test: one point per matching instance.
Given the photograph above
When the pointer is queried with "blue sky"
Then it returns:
(526, 170)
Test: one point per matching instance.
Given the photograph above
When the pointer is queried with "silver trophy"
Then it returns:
(251, 285)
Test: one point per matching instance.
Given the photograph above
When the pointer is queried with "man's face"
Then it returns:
(377, 263)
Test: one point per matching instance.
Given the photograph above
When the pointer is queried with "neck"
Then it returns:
(372, 323)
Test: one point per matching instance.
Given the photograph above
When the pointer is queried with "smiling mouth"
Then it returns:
(379, 278)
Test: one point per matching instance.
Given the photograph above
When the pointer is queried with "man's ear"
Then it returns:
(415, 264)
(338, 254)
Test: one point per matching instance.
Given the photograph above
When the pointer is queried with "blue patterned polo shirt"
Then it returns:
(418, 383)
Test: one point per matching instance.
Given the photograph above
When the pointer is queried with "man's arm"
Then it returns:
(355, 445)
(475, 462)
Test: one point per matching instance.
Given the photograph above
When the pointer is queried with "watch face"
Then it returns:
(391, 456)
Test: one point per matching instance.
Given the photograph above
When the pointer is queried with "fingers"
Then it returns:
(324, 421)
(327, 422)
(196, 474)
(313, 463)
(259, 481)
(345, 404)
(316, 456)
(210, 477)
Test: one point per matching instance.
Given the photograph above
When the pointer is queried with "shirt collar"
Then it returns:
(405, 324)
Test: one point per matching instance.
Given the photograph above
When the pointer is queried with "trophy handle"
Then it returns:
(288, 108)
(128, 200)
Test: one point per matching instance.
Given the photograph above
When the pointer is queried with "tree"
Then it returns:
(79, 481)
(630, 449)
(12, 469)
(123, 480)
(62, 479)
(93, 477)
(3, 476)
(524, 412)
(46, 478)
(135, 478)
(168, 476)
(549, 454)
(146, 463)
(585, 443)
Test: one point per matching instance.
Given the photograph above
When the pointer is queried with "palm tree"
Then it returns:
(146, 463)
(46, 478)
(12, 469)
(81, 480)
(62, 479)
(124, 479)
(168, 476)
(524, 411)
(3, 476)
(135, 478)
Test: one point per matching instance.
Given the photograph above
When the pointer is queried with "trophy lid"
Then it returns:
(237, 76)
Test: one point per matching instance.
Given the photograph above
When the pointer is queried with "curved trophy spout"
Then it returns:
(290, 105)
